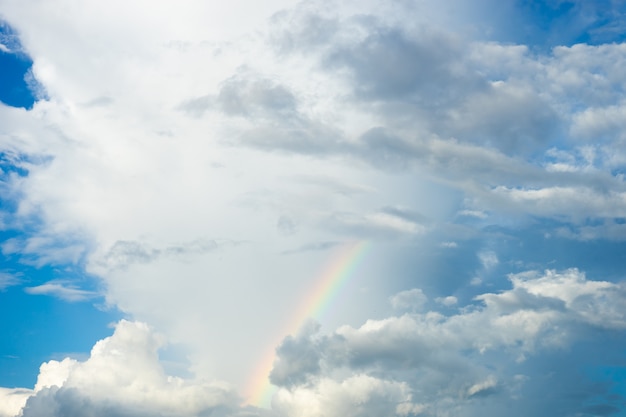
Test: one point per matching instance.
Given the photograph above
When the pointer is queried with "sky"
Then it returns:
(312, 208)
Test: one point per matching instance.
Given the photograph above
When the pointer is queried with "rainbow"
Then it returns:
(326, 289)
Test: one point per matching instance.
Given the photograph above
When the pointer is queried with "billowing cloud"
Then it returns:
(448, 363)
(12, 400)
(123, 377)
(359, 395)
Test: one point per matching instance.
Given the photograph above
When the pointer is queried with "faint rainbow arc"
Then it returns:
(326, 288)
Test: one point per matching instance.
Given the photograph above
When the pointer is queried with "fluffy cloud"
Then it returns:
(357, 396)
(12, 400)
(123, 377)
(446, 364)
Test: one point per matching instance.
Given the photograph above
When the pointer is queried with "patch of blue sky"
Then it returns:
(482, 264)
(48, 310)
(12, 164)
(543, 24)
(17, 83)
(587, 385)
(615, 375)
(39, 327)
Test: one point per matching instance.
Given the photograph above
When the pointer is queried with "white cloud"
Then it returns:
(447, 301)
(63, 290)
(358, 395)
(12, 400)
(473, 213)
(8, 280)
(451, 362)
(123, 376)
(488, 259)
(481, 388)
(412, 300)
(449, 245)
(574, 202)
(598, 302)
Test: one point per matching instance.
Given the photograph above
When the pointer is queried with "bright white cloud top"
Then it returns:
(197, 169)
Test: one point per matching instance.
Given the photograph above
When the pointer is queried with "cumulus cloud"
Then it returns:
(450, 360)
(408, 365)
(12, 400)
(297, 358)
(358, 395)
(123, 377)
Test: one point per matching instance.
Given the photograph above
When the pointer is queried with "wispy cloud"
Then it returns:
(8, 279)
(63, 290)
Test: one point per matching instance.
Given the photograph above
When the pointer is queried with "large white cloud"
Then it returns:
(12, 400)
(123, 376)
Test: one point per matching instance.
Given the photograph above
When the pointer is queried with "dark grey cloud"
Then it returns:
(385, 149)
(428, 80)
(389, 65)
(297, 358)
(510, 119)
(483, 117)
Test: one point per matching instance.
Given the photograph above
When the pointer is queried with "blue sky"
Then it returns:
(174, 180)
